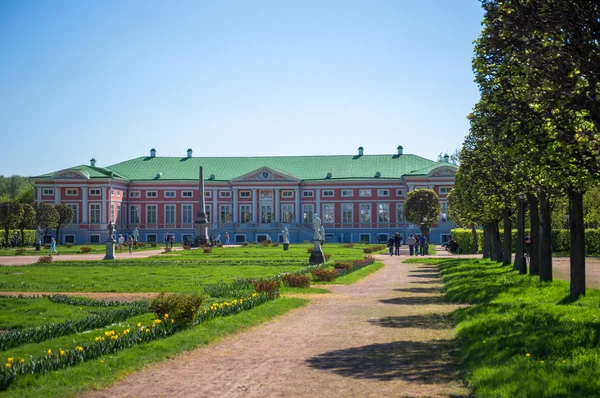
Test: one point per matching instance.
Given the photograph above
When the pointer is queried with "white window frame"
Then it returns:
(208, 194)
(225, 194)
(187, 214)
(328, 214)
(445, 190)
(245, 194)
(287, 213)
(152, 194)
(95, 213)
(347, 213)
(112, 192)
(287, 194)
(365, 212)
(95, 192)
(118, 193)
(400, 219)
(364, 193)
(347, 193)
(135, 194)
(75, 208)
(72, 192)
(134, 218)
(383, 213)
(48, 192)
(328, 193)
(187, 194)
(225, 210)
(170, 214)
(170, 194)
(308, 194)
(266, 217)
(383, 192)
(308, 219)
(245, 213)
(154, 218)
(400, 192)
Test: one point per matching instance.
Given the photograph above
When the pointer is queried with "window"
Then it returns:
(94, 238)
(365, 213)
(328, 194)
(400, 213)
(169, 194)
(151, 238)
(287, 194)
(170, 214)
(135, 194)
(399, 192)
(383, 213)
(75, 209)
(240, 238)
(187, 213)
(112, 213)
(307, 214)
(287, 212)
(445, 190)
(347, 193)
(134, 214)
(119, 218)
(364, 237)
(112, 192)
(383, 192)
(69, 238)
(245, 194)
(118, 194)
(187, 194)
(308, 194)
(225, 214)
(444, 214)
(95, 192)
(48, 191)
(152, 194)
(72, 191)
(328, 215)
(225, 194)
(207, 194)
(245, 214)
(266, 214)
(207, 210)
(364, 192)
(446, 238)
(347, 213)
(151, 213)
(94, 213)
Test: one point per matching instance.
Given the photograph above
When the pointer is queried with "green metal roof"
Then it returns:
(430, 168)
(304, 168)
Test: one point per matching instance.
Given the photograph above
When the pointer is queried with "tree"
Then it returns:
(25, 196)
(422, 206)
(65, 216)
(46, 216)
(10, 215)
(27, 221)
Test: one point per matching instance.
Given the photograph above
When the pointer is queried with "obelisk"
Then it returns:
(201, 223)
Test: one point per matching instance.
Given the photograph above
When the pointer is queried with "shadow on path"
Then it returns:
(412, 361)
(412, 300)
(434, 290)
(432, 321)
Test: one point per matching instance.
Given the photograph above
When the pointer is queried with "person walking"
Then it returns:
(130, 243)
(121, 240)
(423, 245)
(411, 244)
(227, 238)
(390, 244)
(397, 243)
(53, 247)
(417, 243)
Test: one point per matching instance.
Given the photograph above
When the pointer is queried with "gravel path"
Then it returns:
(387, 335)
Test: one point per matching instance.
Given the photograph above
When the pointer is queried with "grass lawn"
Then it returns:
(97, 248)
(519, 336)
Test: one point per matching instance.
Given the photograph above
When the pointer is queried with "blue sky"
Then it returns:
(113, 79)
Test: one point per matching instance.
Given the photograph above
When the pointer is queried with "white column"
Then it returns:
(318, 204)
(39, 194)
(84, 205)
(254, 207)
(277, 209)
(103, 207)
(215, 210)
(234, 210)
(57, 195)
(297, 210)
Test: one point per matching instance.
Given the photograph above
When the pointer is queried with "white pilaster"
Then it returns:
(254, 202)
(57, 195)
(215, 210)
(84, 205)
(103, 209)
(277, 210)
(234, 210)
(297, 210)
(39, 194)
(318, 204)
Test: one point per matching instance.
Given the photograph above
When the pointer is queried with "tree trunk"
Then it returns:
(496, 242)
(546, 239)
(519, 244)
(576, 227)
(487, 246)
(534, 254)
(475, 245)
(57, 232)
(6, 241)
(507, 253)
(22, 238)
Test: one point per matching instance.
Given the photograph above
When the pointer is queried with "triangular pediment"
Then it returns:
(442, 171)
(71, 174)
(266, 174)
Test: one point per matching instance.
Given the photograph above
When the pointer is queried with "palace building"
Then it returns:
(358, 197)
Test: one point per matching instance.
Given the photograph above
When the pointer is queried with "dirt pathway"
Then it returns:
(387, 335)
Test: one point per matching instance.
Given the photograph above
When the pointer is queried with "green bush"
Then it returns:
(141, 244)
(293, 280)
(181, 308)
(85, 249)
(265, 243)
(324, 275)
(45, 259)
(270, 287)
(20, 251)
(246, 244)
(69, 245)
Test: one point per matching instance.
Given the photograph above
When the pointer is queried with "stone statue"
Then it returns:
(111, 229)
(322, 232)
(135, 234)
(38, 235)
(317, 228)
(286, 235)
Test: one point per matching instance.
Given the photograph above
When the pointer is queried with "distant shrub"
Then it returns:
(324, 275)
(245, 244)
(85, 249)
(167, 249)
(182, 308)
(375, 248)
(88, 243)
(207, 249)
(20, 251)
(342, 265)
(270, 287)
(293, 280)
(45, 259)
(152, 244)
(275, 244)
(327, 256)
(306, 242)
(185, 247)
(265, 243)
(47, 246)
(69, 245)
(141, 244)
(255, 243)
(219, 245)
(349, 244)
(310, 249)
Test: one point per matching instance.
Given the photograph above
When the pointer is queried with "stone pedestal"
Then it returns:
(286, 246)
(37, 247)
(316, 257)
(110, 250)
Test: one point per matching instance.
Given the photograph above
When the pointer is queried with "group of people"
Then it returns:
(169, 240)
(121, 242)
(452, 246)
(213, 241)
(417, 244)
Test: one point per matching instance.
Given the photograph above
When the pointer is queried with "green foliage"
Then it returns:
(46, 215)
(374, 249)
(65, 216)
(10, 217)
(13, 187)
(421, 204)
(294, 280)
(464, 237)
(268, 287)
(181, 308)
(45, 260)
(324, 275)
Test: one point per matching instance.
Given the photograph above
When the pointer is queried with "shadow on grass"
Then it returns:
(436, 290)
(412, 300)
(414, 275)
(435, 282)
(432, 321)
(418, 362)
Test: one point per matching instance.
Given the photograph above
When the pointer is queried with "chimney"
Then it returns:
(152, 153)
(189, 153)
(400, 149)
(360, 151)
(93, 162)
(446, 158)
(378, 174)
(328, 174)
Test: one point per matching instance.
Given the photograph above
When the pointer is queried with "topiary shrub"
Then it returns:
(245, 244)
(141, 244)
(349, 244)
(185, 247)
(207, 249)
(20, 251)
(324, 275)
(85, 249)
(275, 244)
(294, 280)
(45, 259)
(265, 243)
(270, 287)
(342, 265)
(327, 256)
(167, 250)
(152, 244)
(69, 245)
(183, 309)
(47, 246)
(310, 249)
